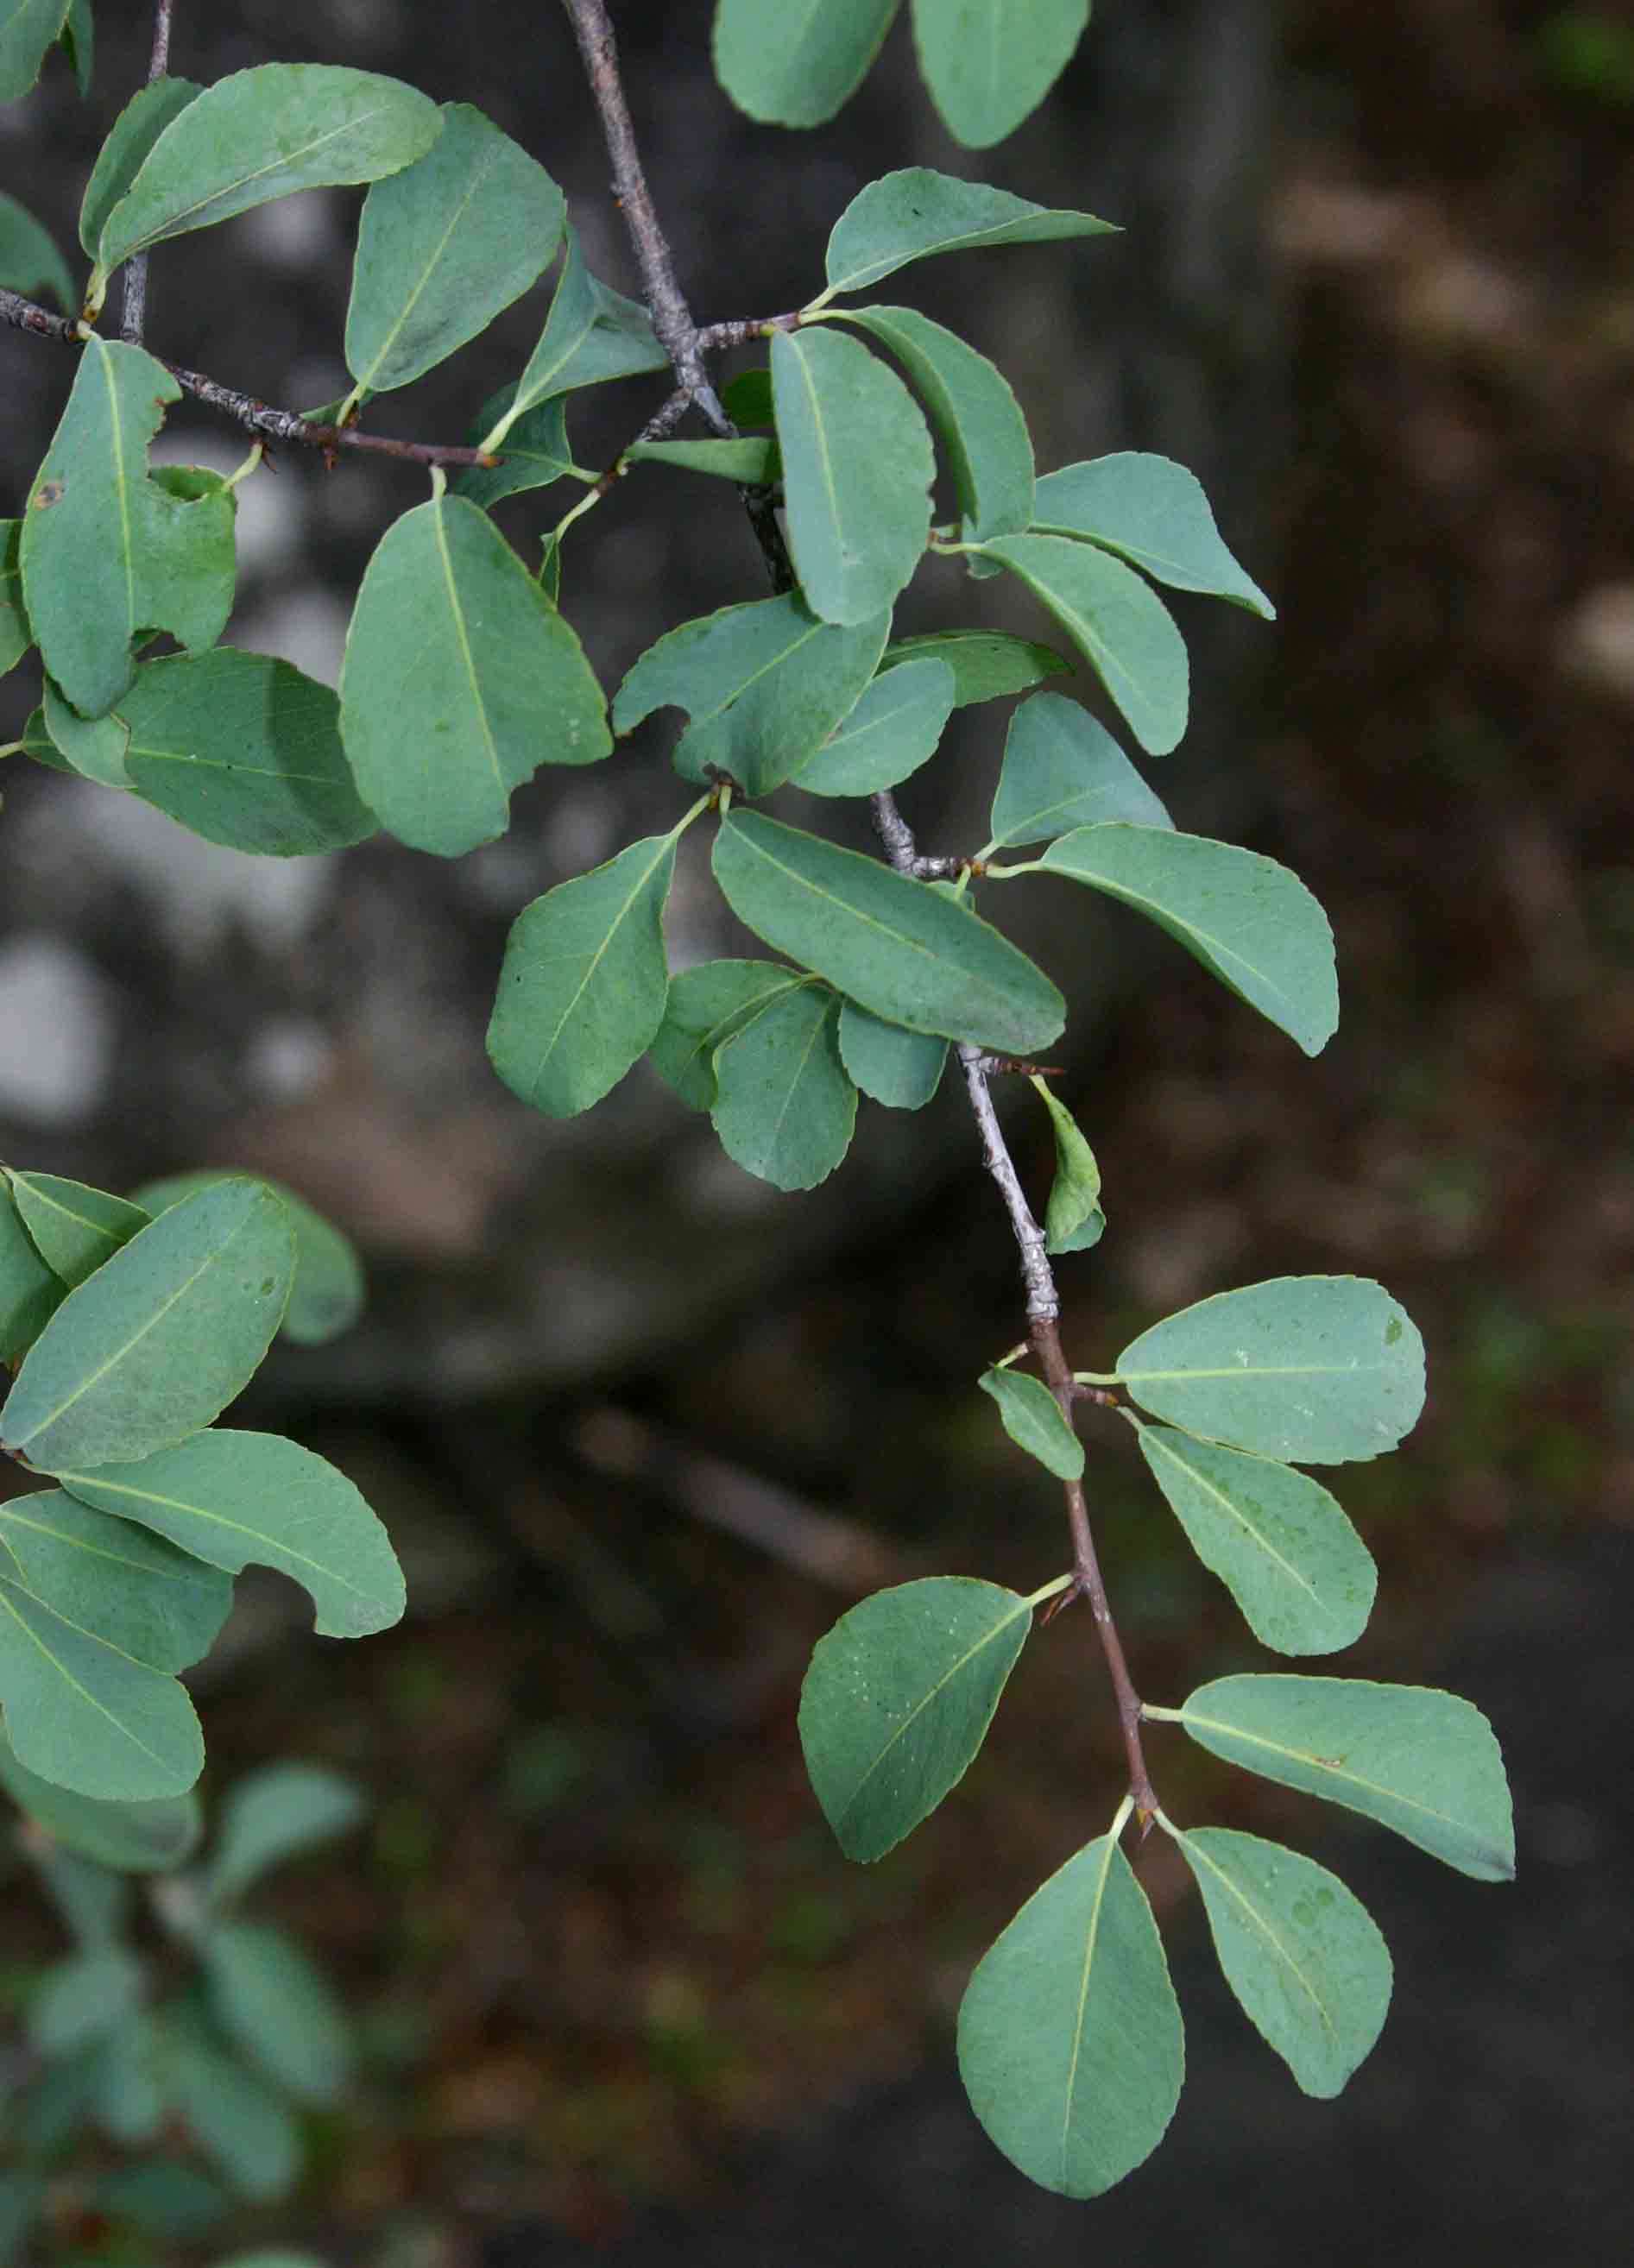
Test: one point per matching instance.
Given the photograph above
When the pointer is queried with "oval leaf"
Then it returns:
(74, 1228)
(260, 133)
(244, 750)
(1063, 771)
(986, 664)
(1300, 1952)
(898, 1699)
(329, 1292)
(784, 1109)
(1326, 1369)
(897, 1067)
(153, 1602)
(892, 730)
(582, 991)
(236, 1498)
(132, 1838)
(1249, 921)
(917, 213)
(160, 1340)
(30, 1292)
(109, 553)
(274, 1814)
(903, 951)
(591, 335)
(976, 417)
(93, 747)
(1154, 513)
(247, 2132)
(442, 246)
(765, 683)
(80, 1712)
(705, 1006)
(1122, 630)
(29, 29)
(135, 131)
(30, 261)
(271, 2002)
(1069, 2040)
(1032, 1419)
(796, 66)
(857, 471)
(1421, 1761)
(1279, 1541)
(989, 63)
(460, 679)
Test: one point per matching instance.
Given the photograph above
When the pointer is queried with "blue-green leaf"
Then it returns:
(30, 1292)
(328, 1294)
(1117, 622)
(989, 63)
(898, 1699)
(896, 1067)
(1062, 770)
(244, 2130)
(1325, 1369)
(74, 1228)
(784, 1109)
(83, 1999)
(16, 637)
(916, 213)
(857, 471)
(29, 29)
(753, 460)
(274, 1814)
(1069, 2039)
(153, 1602)
(29, 260)
(81, 1712)
(892, 730)
(93, 747)
(1153, 511)
(986, 664)
(536, 452)
(705, 1006)
(796, 65)
(268, 1999)
(442, 246)
(1032, 1419)
(134, 1838)
(591, 335)
(134, 132)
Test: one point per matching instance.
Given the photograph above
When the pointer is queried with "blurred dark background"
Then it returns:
(642, 1428)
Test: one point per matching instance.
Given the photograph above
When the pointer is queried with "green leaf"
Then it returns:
(857, 471)
(892, 730)
(705, 1006)
(29, 29)
(989, 63)
(160, 1340)
(986, 664)
(95, 1904)
(93, 747)
(109, 555)
(784, 1109)
(1421, 1761)
(16, 637)
(29, 260)
(1122, 630)
(244, 750)
(232, 1499)
(897, 1067)
(796, 65)
(581, 990)
(135, 131)
(1074, 1220)
(916, 213)
(134, 1838)
(274, 1814)
(444, 246)
(81, 1998)
(746, 399)
(79, 43)
(165, 2199)
(1069, 2039)
(1300, 1952)
(246, 2133)
(1326, 1369)
(591, 335)
(460, 679)
(134, 1591)
(262, 134)
(1279, 1541)
(898, 1699)
(81, 1712)
(888, 942)
(30, 1292)
(536, 452)
(1063, 771)
(271, 2002)
(753, 461)
(976, 417)
(328, 1294)
(74, 1228)
(1249, 921)
(1032, 1419)
(764, 684)
(130, 2103)
(1153, 511)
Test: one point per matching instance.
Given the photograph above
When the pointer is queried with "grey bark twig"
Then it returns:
(133, 307)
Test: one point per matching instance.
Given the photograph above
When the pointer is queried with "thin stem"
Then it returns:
(24, 315)
(713, 337)
(134, 311)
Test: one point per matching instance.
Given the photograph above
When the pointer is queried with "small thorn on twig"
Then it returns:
(1062, 1599)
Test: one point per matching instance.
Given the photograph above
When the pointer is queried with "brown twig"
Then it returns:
(132, 313)
(24, 315)
(713, 338)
